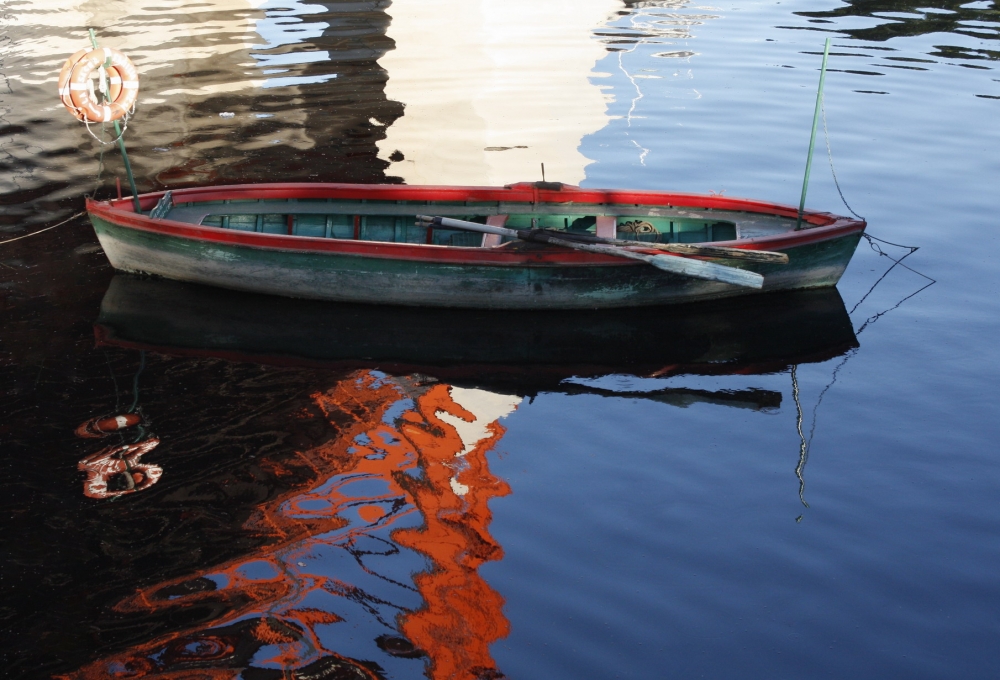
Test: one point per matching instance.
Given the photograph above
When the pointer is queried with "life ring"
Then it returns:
(124, 461)
(102, 427)
(113, 79)
(64, 74)
(77, 90)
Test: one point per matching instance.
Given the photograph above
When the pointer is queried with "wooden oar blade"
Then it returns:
(708, 271)
(703, 250)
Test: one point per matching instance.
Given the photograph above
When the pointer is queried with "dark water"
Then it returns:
(791, 486)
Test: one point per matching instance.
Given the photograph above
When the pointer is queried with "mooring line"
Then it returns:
(913, 249)
(875, 317)
(800, 468)
(805, 443)
(871, 239)
(829, 154)
(135, 382)
(11, 240)
(878, 249)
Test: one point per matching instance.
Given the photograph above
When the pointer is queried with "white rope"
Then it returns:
(11, 240)
(101, 141)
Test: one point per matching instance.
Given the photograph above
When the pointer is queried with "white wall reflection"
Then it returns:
(663, 29)
(493, 88)
(281, 25)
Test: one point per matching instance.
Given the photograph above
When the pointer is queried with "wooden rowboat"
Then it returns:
(363, 243)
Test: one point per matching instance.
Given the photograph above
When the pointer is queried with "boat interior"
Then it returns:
(395, 221)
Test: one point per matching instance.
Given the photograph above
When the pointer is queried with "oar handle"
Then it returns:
(449, 223)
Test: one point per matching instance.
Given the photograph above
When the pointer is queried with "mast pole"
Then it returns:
(812, 137)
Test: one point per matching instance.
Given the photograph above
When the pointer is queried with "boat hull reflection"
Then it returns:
(518, 352)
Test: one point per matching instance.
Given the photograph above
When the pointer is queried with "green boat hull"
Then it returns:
(378, 279)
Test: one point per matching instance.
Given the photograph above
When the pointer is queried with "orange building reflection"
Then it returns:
(375, 558)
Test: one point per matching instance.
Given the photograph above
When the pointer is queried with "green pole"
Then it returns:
(812, 137)
(128, 168)
(121, 146)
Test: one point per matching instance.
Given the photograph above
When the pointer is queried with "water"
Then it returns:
(440, 495)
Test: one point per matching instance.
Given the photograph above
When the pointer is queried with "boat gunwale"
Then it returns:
(823, 226)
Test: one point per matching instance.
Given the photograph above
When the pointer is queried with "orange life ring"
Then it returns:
(77, 90)
(102, 427)
(124, 460)
(114, 81)
(64, 74)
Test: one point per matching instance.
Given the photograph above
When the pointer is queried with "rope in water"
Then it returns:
(878, 249)
(135, 382)
(800, 468)
(70, 219)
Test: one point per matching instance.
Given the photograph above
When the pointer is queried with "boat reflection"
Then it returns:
(376, 534)
(520, 353)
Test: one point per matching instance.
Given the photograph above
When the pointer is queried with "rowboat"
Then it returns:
(541, 245)
(509, 351)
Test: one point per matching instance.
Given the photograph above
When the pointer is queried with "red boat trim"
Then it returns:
(824, 226)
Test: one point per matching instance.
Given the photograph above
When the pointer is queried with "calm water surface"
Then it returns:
(796, 486)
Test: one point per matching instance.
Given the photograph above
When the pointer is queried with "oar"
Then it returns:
(677, 265)
(721, 252)
(724, 252)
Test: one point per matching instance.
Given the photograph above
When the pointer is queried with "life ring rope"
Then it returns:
(113, 141)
